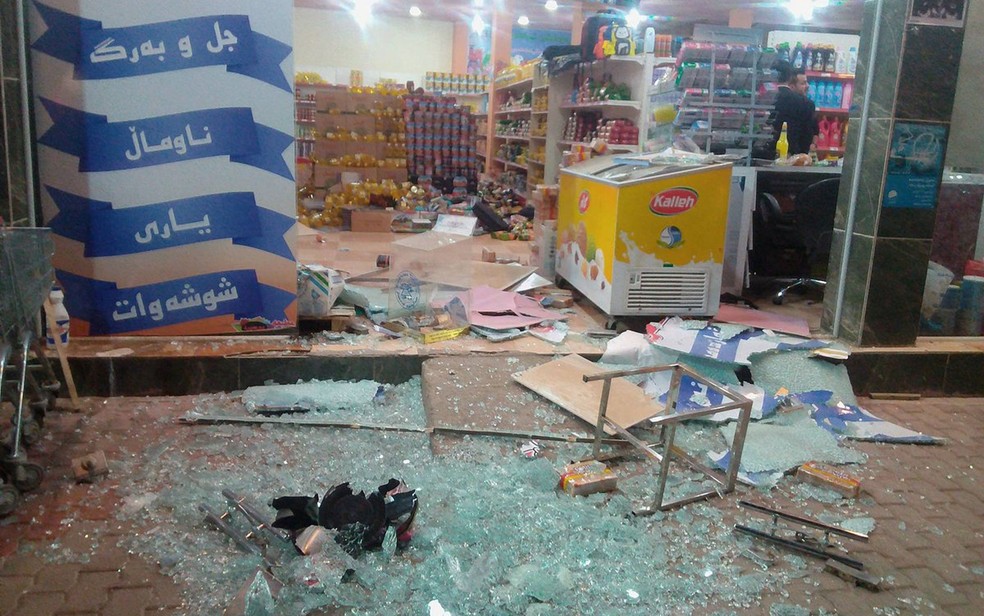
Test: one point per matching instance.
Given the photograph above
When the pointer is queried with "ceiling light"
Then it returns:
(633, 18)
(523, 20)
(478, 24)
(479, 3)
(551, 5)
(801, 9)
(415, 11)
(363, 12)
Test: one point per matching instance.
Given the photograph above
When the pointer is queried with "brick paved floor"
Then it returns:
(60, 554)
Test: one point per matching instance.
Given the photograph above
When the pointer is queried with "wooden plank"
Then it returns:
(73, 393)
(560, 382)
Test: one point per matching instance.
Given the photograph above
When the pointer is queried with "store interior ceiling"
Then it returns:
(827, 14)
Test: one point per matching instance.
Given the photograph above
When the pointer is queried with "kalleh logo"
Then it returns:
(673, 201)
(583, 201)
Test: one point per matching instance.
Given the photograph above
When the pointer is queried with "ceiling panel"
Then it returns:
(841, 14)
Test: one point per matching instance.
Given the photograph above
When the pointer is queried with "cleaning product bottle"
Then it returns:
(830, 60)
(821, 99)
(838, 97)
(811, 91)
(840, 63)
(782, 146)
(57, 299)
(823, 136)
(852, 60)
(848, 93)
(650, 41)
(834, 134)
(798, 57)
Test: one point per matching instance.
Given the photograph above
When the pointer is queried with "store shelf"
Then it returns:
(309, 122)
(501, 161)
(611, 146)
(513, 110)
(540, 112)
(823, 75)
(516, 165)
(831, 150)
(833, 110)
(536, 162)
(539, 137)
(604, 105)
(541, 88)
(480, 154)
(302, 101)
(512, 138)
(518, 85)
(731, 106)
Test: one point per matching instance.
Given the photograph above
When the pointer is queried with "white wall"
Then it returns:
(330, 43)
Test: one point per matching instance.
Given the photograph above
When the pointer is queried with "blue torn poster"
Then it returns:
(714, 342)
(855, 423)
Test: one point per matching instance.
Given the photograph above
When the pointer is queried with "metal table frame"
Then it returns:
(666, 420)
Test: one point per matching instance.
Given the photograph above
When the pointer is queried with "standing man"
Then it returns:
(795, 109)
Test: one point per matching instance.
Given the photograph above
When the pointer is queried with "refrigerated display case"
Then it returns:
(644, 235)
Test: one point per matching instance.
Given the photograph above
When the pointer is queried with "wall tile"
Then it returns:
(833, 277)
(898, 277)
(887, 57)
(928, 77)
(872, 173)
(856, 287)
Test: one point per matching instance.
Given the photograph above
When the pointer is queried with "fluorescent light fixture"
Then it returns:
(551, 5)
(479, 3)
(362, 12)
(523, 20)
(478, 24)
(633, 19)
(415, 11)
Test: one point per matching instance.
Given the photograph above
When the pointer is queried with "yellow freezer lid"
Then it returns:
(621, 170)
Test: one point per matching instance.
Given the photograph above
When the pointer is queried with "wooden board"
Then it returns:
(560, 382)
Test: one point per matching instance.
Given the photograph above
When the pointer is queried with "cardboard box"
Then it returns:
(345, 122)
(326, 176)
(369, 220)
(829, 477)
(582, 478)
(333, 101)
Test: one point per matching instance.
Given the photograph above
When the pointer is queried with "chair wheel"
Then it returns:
(9, 498)
(777, 300)
(27, 476)
(30, 431)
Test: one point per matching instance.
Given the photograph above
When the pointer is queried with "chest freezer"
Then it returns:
(639, 236)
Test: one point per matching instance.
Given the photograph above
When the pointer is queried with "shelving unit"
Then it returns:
(519, 109)
(341, 131)
(825, 145)
(720, 96)
(634, 71)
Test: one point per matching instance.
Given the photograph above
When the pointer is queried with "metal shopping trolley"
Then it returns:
(26, 276)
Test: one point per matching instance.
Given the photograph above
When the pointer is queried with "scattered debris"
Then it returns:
(859, 577)
(583, 478)
(828, 477)
(90, 466)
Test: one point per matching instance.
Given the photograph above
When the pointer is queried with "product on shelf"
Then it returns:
(440, 138)
(591, 90)
(452, 83)
(618, 132)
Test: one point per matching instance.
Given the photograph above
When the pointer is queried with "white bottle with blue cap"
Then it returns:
(57, 299)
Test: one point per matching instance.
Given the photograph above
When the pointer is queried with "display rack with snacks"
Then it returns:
(440, 139)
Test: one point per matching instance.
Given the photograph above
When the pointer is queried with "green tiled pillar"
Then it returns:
(913, 77)
(13, 183)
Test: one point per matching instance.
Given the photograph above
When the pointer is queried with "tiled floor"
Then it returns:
(60, 551)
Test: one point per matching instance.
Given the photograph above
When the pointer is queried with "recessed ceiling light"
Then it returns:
(523, 20)
(551, 5)
(478, 24)
(479, 3)
(363, 12)
(633, 18)
(415, 11)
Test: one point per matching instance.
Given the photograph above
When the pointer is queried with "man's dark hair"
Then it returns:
(787, 73)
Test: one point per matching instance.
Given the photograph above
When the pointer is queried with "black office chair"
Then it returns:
(815, 206)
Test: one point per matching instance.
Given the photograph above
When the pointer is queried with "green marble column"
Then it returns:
(913, 82)
(13, 185)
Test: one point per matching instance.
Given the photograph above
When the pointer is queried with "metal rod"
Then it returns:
(694, 414)
(635, 371)
(852, 207)
(22, 385)
(664, 468)
(602, 410)
(673, 395)
(254, 516)
(738, 445)
(804, 521)
(799, 547)
(318, 423)
(26, 113)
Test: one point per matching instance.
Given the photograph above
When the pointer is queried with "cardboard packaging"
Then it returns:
(367, 220)
(582, 478)
(830, 478)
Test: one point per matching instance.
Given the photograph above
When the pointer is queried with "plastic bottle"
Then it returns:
(821, 100)
(824, 134)
(782, 146)
(811, 91)
(848, 93)
(834, 134)
(841, 61)
(830, 60)
(57, 299)
(852, 60)
(798, 57)
(838, 97)
(650, 42)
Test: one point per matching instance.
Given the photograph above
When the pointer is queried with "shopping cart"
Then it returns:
(26, 276)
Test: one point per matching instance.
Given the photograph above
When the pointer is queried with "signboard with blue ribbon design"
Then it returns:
(145, 245)
(112, 53)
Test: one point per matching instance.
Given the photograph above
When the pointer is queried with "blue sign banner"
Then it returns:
(107, 231)
(101, 145)
(111, 310)
(112, 53)
(915, 165)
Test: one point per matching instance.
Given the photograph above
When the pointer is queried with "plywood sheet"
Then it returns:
(560, 381)
(474, 273)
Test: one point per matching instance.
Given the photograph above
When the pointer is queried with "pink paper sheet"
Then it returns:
(494, 309)
(729, 313)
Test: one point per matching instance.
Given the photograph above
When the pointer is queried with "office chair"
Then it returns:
(814, 229)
